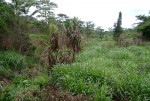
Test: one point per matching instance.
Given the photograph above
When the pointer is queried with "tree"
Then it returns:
(1, 1)
(6, 18)
(76, 39)
(22, 9)
(117, 27)
(110, 29)
(73, 34)
(62, 17)
(89, 28)
(13, 22)
(82, 26)
(144, 26)
(99, 30)
(45, 8)
(53, 46)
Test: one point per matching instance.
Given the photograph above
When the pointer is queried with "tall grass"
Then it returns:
(12, 60)
(105, 73)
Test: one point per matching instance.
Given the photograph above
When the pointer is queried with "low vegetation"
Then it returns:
(57, 58)
(106, 73)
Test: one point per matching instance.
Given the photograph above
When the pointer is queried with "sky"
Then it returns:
(104, 13)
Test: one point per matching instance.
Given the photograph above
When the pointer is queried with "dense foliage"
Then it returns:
(144, 26)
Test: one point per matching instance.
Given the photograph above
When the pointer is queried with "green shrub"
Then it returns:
(22, 93)
(41, 80)
(22, 89)
(12, 60)
(4, 71)
(144, 26)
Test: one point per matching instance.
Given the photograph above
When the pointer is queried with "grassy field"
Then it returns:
(104, 72)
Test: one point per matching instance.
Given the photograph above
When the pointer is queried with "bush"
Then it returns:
(22, 89)
(12, 60)
(144, 27)
(146, 33)
(5, 72)
(20, 93)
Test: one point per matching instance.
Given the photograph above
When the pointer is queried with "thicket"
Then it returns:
(144, 27)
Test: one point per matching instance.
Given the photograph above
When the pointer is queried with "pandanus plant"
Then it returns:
(69, 27)
(52, 58)
(72, 33)
(76, 39)
(53, 37)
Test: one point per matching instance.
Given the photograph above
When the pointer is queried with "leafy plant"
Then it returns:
(13, 60)
(144, 26)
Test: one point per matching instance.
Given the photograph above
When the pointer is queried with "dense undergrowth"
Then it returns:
(21, 77)
(103, 71)
(107, 72)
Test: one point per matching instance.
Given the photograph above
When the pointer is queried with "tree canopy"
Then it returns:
(117, 27)
(144, 26)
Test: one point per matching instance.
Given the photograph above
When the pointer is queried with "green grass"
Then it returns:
(26, 78)
(12, 60)
(104, 72)
(25, 89)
